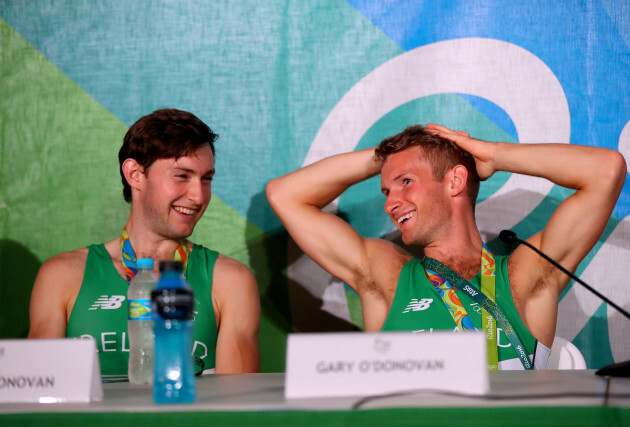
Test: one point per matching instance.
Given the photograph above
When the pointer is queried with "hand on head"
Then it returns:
(482, 151)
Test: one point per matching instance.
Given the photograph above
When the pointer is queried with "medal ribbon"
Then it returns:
(129, 259)
(450, 280)
(451, 301)
(488, 288)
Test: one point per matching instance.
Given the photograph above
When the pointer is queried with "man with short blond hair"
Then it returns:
(430, 178)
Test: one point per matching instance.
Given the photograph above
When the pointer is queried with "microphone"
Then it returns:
(508, 236)
(617, 369)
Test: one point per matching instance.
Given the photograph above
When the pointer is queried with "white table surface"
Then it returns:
(265, 392)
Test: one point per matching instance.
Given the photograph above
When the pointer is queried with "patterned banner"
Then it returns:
(285, 84)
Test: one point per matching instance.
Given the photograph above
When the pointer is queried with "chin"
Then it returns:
(180, 234)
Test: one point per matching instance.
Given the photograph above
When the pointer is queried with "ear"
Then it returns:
(134, 174)
(459, 179)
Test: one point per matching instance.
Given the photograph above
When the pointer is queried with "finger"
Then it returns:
(439, 128)
(443, 131)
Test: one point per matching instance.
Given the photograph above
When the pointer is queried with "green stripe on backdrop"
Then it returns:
(60, 184)
(60, 187)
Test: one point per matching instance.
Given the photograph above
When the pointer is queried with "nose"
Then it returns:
(196, 192)
(392, 203)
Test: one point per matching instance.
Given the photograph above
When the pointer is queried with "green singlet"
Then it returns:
(417, 307)
(101, 311)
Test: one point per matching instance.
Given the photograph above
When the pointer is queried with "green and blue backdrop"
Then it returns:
(285, 83)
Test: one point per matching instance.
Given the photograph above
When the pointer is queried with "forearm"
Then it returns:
(571, 166)
(597, 175)
(298, 199)
(320, 183)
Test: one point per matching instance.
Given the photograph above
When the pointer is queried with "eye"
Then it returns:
(207, 178)
(407, 181)
(181, 177)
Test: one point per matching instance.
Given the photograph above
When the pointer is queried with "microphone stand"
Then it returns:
(621, 369)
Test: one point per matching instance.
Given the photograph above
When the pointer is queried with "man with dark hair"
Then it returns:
(430, 178)
(166, 165)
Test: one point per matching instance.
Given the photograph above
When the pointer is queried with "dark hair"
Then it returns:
(441, 154)
(163, 134)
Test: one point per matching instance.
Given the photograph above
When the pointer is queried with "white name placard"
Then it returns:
(364, 364)
(49, 371)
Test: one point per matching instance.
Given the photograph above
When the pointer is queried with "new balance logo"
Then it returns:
(108, 303)
(418, 305)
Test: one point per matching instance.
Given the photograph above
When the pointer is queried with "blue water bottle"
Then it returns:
(173, 304)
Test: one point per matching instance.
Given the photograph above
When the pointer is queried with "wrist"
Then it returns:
(375, 163)
(499, 155)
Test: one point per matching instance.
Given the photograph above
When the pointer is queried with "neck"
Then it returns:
(147, 244)
(460, 249)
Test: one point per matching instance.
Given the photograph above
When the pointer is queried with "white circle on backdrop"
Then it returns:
(501, 72)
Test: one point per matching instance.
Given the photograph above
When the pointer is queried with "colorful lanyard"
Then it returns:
(488, 288)
(129, 256)
(441, 277)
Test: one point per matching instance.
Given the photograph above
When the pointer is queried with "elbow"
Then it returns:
(617, 170)
(274, 192)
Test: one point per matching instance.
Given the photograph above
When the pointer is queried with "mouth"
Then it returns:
(185, 211)
(405, 217)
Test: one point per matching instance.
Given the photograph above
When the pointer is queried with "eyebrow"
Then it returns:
(400, 175)
(188, 170)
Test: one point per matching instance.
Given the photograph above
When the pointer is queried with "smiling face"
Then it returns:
(417, 203)
(176, 193)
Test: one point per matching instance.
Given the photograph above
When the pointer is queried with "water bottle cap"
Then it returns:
(177, 303)
(145, 263)
(166, 266)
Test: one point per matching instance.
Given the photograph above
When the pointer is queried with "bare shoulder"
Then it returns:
(386, 255)
(66, 265)
(386, 261)
(230, 277)
(61, 276)
(234, 290)
(229, 269)
(54, 292)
